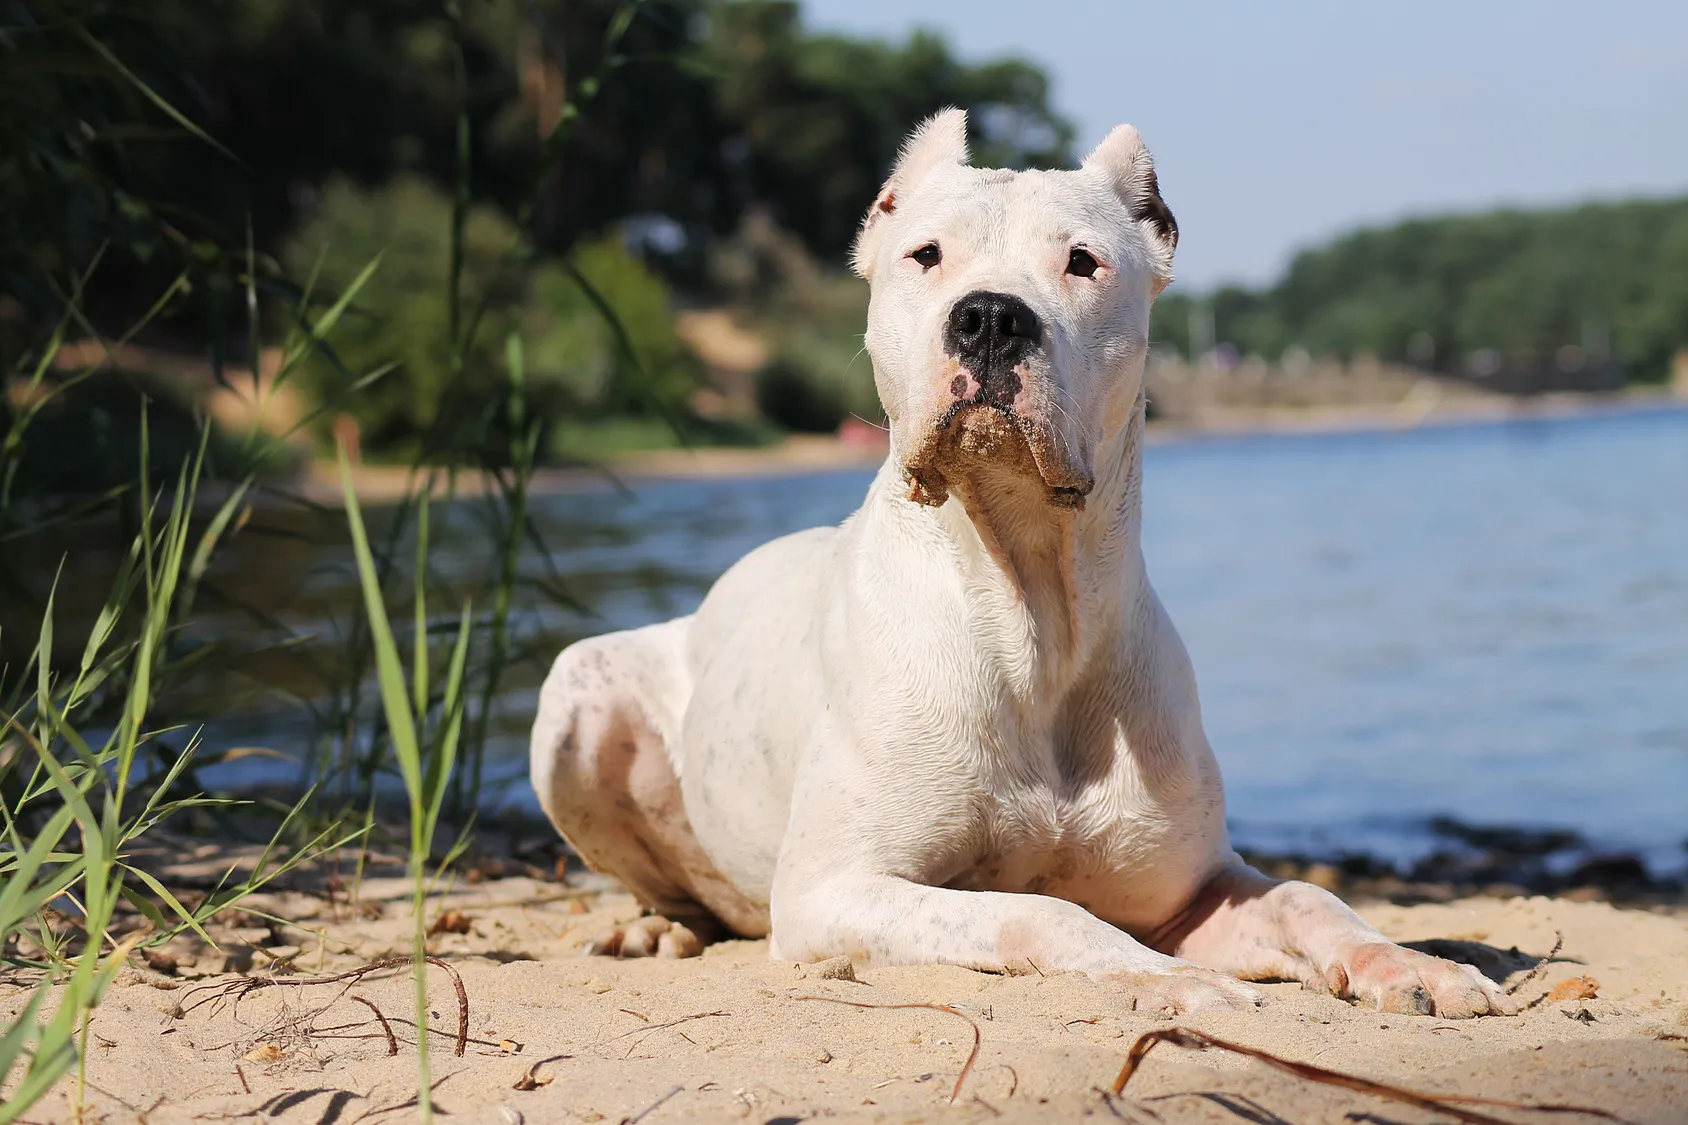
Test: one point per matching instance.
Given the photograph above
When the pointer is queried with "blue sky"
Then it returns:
(1275, 125)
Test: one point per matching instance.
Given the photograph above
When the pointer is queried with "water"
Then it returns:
(1488, 622)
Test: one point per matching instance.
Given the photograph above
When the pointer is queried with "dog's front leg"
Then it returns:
(1258, 928)
(885, 920)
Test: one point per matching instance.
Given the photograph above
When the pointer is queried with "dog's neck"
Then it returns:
(1051, 581)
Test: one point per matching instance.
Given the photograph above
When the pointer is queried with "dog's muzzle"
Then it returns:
(993, 417)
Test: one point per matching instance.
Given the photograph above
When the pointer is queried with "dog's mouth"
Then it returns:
(971, 437)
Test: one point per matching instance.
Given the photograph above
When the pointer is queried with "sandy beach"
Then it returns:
(554, 1035)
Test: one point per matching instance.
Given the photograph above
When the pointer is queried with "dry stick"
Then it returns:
(1541, 966)
(392, 1040)
(1437, 1103)
(643, 1113)
(530, 1080)
(246, 985)
(972, 1055)
(646, 1032)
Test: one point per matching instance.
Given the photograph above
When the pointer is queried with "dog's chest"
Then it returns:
(1130, 850)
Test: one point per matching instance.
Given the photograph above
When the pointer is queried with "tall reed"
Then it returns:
(424, 740)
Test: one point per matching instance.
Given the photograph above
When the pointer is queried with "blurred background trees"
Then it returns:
(339, 133)
(649, 160)
(1609, 276)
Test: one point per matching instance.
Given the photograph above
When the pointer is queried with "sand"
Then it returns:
(730, 1037)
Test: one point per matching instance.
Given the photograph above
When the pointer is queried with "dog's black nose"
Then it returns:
(991, 333)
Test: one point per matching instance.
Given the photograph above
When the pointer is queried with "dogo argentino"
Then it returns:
(960, 727)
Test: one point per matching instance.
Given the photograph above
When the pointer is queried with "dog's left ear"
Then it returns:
(1123, 158)
(940, 139)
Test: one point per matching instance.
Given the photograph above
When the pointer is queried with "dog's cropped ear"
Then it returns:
(940, 139)
(1126, 162)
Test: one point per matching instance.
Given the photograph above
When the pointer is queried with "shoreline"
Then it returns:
(805, 454)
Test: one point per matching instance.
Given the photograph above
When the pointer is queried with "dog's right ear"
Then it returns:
(940, 139)
(1131, 170)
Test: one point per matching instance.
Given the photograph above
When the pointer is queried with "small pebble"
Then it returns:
(836, 968)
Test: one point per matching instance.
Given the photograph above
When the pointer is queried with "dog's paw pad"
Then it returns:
(651, 936)
(1406, 982)
(1180, 993)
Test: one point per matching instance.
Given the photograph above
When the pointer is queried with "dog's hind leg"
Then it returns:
(602, 767)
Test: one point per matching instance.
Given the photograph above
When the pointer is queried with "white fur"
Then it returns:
(961, 730)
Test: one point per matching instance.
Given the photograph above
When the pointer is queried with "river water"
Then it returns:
(1482, 622)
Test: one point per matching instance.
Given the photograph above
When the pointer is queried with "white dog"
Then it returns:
(960, 727)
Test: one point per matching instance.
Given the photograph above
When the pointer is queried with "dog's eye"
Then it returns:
(1080, 263)
(928, 255)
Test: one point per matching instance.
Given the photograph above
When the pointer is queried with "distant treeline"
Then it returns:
(1600, 278)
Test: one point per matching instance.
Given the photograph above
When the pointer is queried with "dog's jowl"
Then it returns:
(960, 727)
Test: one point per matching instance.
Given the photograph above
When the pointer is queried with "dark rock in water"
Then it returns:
(1608, 870)
(1494, 861)
(1502, 839)
(1363, 866)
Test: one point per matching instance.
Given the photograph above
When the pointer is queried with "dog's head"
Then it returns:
(1009, 316)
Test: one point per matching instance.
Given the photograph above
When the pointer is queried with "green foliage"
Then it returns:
(402, 316)
(571, 344)
(820, 117)
(78, 152)
(576, 361)
(816, 380)
(54, 773)
(1521, 282)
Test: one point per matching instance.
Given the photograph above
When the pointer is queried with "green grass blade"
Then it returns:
(331, 316)
(446, 759)
(170, 900)
(150, 94)
(121, 589)
(419, 640)
(21, 897)
(389, 671)
(44, 1069)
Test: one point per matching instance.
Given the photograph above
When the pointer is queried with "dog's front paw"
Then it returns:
(1394, 979)
(651, 936)
(1183, 991)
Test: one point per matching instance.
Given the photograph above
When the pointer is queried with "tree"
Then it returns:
(817, 119)
(1525, 283)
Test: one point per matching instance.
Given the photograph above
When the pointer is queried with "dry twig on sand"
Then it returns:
(972, 1056)
(645, 1032)
(648, 1110)
(245, 986)
(530, 1078)
(1448, 1104)
(392, 1040)
(1541, 966)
